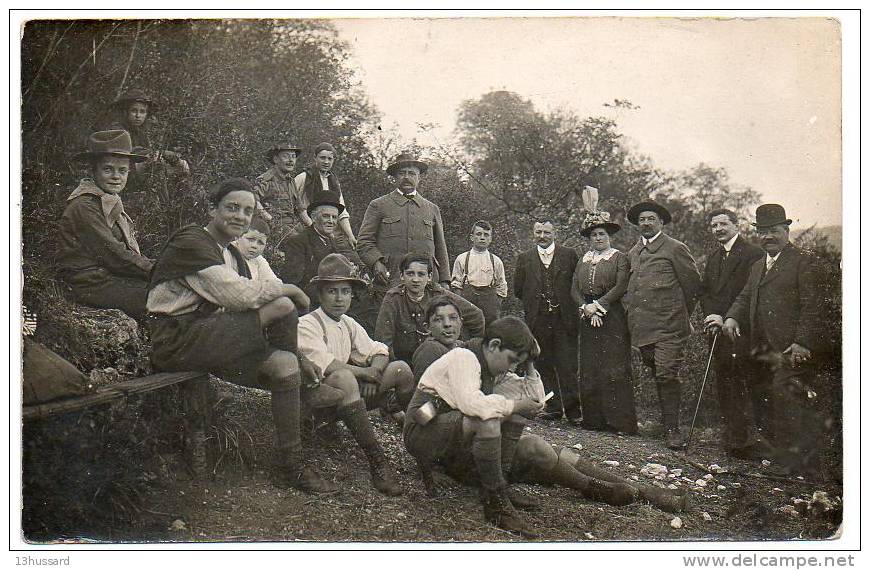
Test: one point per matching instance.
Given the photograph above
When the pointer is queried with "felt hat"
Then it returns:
(336, 267)
(325, 198)
(595, 218)
(278, 147)
(649, 206)
(406, 159)
(130, 96)
(115, 143)
(768, 215)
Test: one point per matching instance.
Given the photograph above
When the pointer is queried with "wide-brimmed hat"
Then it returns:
(649, 206)
(336, 267)
(768, 215)
(598, 219)
(325, 198)
(115, 143)
(278, 147)
(406, 159)
(130, 96)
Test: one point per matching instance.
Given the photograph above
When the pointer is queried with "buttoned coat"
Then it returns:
(303, 252)
(528, 284)
(784, 302)
(663, 287)
(394, 225)
(720, 289)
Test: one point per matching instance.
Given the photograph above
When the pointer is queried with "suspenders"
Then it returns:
(465, 270)
(323, 331)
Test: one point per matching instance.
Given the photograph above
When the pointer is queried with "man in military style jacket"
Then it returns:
(662, 291)
(542, 280)
(276, 191)
(724, 277)
(781, 304)
(401, 222)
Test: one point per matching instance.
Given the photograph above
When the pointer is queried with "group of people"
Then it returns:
(463, 379)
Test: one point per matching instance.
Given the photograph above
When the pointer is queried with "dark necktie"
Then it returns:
(722, 261)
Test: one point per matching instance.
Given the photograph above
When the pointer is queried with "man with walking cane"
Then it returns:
(724, 277)
(662, 288)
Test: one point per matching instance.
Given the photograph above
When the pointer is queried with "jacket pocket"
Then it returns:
(391, 226)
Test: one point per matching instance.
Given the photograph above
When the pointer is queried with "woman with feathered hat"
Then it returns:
(600, 281)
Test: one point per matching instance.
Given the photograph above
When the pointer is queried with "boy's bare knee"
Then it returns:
(534, 450)
(343, 380)
(398, 375)
(280, 364)
(481, 428)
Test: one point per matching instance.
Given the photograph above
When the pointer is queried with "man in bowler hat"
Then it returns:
(781, 306)
(662, 290)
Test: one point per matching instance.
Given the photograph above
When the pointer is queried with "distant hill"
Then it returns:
(833, 233)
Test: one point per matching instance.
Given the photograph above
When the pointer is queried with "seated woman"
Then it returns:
(485, 399)
(401, 321)
(352, 362)
(97, 253)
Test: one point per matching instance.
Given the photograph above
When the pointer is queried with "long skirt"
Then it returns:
(606, 391)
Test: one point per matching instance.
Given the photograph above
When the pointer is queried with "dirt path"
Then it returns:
(241, 503)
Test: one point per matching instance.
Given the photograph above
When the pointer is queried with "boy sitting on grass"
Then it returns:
(480, 406)
(352, 362)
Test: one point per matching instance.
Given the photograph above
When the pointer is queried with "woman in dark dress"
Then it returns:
(600, 281)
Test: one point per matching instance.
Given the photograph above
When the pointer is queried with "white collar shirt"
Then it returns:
(546, 254)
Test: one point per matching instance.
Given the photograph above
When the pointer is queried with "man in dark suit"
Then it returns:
(781, 304)
(542, 280)
(303, 252)
(724, 277)
(662, 291)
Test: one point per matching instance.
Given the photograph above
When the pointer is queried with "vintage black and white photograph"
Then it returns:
(415, 278)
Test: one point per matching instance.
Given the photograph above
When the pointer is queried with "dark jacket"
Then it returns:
(303, 252)
(784, 303)
(528, 284)
(663, 287)
(401, 322)
(720, 289)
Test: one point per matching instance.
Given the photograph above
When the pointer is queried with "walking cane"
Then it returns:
(701, 392)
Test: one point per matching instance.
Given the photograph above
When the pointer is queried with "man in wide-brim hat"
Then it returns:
(352, 362)
(662, 290)
(400, 222)
(275, 190)
(98, 256)
(781, 305)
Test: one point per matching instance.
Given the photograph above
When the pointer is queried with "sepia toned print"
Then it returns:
(642, 217)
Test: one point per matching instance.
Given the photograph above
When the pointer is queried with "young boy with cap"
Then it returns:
(98, 256)
(352, 362)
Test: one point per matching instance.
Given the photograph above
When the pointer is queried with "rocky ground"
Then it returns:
(149, 496)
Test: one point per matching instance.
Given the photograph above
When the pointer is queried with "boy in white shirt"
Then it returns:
(352, 362)
(251, 246)
(478, 275)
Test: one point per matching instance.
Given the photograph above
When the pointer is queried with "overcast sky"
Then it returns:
(758, 97)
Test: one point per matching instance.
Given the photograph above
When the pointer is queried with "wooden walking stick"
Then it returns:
(701, 392)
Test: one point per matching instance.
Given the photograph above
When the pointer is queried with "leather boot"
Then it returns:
(384, 479)
(497, 510)
(521, 500)
(294, 472)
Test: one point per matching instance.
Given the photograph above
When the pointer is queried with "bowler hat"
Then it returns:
(406, 159)
(115, 143)
(648, 206)
(325, 198)
(278, 147)
(336, 267)
(130, 96)
(768, 215)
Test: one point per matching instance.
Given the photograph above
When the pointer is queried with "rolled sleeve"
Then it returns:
(364, 348)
